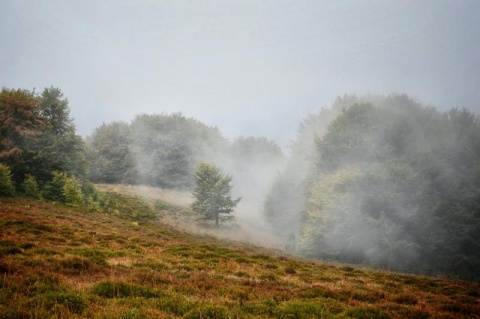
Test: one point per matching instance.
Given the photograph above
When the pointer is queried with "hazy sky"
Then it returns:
(248, 67)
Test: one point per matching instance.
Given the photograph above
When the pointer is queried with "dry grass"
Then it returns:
(173, 197)
(57, 262)
(176, 213)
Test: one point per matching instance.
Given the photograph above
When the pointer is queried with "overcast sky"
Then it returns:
(248, 67)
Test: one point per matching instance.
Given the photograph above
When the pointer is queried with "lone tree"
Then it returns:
(212, 194)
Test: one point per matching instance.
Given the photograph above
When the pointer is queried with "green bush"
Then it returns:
(53, 190)
(65, 189)
(30, 187)
(72, 192)
(7, 187)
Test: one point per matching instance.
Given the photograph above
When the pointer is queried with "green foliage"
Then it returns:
(288, 192)
(7, 187)
(30, 187)
(37, 136)
(158, 150)
(395, 185)
(60, 148)
(54, 189)
(166, 148)
(21, 126)
(55, 110)
(163, 150)
(212, 194)
(72, 192)
(109, 154)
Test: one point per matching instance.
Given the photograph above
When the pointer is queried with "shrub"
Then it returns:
(72, 192)
(30, 187)
(53, 190)
(7, 187)
(64, 189)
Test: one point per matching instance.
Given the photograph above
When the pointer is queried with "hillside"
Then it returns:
(60, 262)
(379, 181)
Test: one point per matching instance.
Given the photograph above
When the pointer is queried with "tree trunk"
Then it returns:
(216, 221)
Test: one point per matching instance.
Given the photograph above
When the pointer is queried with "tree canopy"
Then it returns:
(392, 183)
(37, 135)
(212, 194)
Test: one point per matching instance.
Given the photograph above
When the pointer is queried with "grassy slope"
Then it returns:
(61, 263)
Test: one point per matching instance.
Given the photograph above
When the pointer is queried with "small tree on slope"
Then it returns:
(7, 187)
(212, 194)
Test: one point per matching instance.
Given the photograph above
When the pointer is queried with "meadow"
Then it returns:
(62, 262)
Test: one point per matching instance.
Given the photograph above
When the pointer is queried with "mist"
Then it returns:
(258, 88)
(239, 65)
(386, 182)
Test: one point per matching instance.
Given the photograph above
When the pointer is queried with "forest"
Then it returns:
(382, 181)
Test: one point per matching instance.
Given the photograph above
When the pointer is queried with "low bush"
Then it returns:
(7, 187)
(30, 187)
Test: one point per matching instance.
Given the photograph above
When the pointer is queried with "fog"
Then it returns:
(259, 69)
(248, 67)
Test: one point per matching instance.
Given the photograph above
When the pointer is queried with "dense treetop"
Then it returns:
(394, 184)
(37, 135)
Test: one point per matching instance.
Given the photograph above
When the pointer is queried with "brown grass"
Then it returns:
(57, 262)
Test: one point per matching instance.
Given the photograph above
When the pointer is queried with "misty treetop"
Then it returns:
(109, 155)
(158, 150)
(394, 184)
(167, 148)
(164, 149)
(288, 194)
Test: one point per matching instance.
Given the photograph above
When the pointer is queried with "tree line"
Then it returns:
(43, 156)
(383, 181)
(388, 182)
